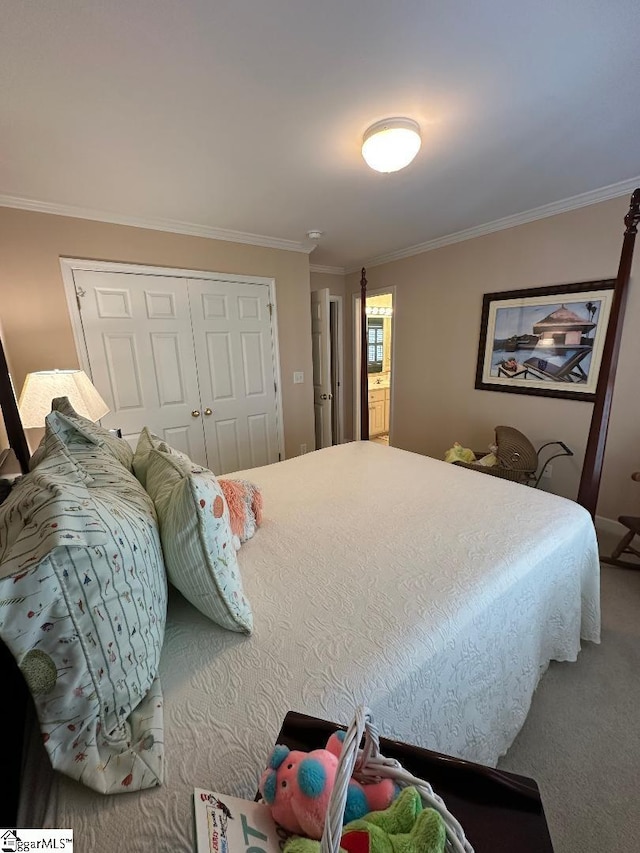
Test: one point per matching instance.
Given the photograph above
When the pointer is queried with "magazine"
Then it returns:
(225, 824)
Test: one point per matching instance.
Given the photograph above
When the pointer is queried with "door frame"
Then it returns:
(69, 265)
(379, 291)
(340, 348)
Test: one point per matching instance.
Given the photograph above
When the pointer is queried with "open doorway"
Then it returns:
(380, 345)
(327, 351)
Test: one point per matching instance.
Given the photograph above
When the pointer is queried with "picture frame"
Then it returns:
(546, 341)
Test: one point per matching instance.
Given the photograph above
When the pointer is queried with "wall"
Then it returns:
(335, 283)
(34, 313)
(436, 327)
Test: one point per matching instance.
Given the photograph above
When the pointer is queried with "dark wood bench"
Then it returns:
(500, 812)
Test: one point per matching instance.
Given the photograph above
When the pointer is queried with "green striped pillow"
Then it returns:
(196, 539)
(146, 442)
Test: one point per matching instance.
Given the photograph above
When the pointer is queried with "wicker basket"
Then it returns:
(369, 766)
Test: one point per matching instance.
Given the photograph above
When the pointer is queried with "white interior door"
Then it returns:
(236, 371)
(137, 330)
(321, 351)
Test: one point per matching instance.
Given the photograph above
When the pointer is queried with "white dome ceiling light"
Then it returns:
(391, 144)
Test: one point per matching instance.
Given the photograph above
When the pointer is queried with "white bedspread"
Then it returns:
(434, 594)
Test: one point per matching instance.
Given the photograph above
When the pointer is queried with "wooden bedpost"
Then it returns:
(364, 380)
(594, 455)
(11, 416)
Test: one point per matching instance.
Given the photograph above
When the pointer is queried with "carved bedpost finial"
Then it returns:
(632, 219)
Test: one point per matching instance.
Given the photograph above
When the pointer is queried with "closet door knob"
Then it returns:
(195, 413)
(208, 411)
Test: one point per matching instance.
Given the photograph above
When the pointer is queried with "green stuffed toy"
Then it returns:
(458, 453)
(405, 827)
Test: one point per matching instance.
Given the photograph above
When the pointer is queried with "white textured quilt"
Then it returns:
(434, 594)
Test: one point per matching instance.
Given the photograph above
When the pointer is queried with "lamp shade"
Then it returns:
(391, 144)
(40, 388)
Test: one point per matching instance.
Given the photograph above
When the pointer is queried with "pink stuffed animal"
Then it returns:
(297, 785)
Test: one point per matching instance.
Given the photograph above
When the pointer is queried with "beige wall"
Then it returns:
(436, 327)
(335, 283)
(33, 307)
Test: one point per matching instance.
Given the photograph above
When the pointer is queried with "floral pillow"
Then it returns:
(196, 538)
(82, 609)
(116, 447)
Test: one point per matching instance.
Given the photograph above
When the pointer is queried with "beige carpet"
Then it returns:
(581, 740)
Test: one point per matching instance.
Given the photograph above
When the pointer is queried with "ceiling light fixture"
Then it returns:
(391, 144)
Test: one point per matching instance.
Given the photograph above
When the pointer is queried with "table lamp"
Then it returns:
(40, 388)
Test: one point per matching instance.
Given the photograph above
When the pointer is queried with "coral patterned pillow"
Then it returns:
(196, 538)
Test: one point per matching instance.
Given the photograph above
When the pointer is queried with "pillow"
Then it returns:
(93, 459)
(196, 538)
(146, 442)
(117, 447)
(82, 609)
(58, 432)
(244, 500)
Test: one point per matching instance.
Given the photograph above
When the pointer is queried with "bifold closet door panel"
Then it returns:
(139, 340)
(236, 372)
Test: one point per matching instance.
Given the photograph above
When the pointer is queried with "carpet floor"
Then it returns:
(581, 740)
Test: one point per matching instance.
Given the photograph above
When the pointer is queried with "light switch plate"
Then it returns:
(298, 377)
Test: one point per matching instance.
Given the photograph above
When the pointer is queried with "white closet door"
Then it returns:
(137, 330)
(236, 374)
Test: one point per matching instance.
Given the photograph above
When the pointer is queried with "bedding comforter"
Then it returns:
(433, 594)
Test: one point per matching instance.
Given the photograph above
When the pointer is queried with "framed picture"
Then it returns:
(546, 340)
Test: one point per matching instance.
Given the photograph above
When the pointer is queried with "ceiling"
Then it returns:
(248, 116)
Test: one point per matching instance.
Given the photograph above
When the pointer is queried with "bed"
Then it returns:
(378, 575)
(435, 596)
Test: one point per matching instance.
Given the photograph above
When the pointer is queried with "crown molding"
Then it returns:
(327, 270)
(562, 206)
(172, 226)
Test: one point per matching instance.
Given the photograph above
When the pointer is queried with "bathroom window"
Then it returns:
(375, 344)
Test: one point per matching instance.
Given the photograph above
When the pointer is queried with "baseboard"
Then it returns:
(608, 525)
